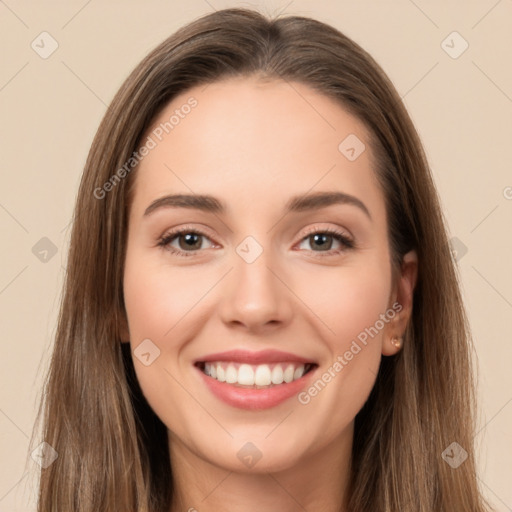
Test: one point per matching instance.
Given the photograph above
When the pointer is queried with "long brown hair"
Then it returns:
(112, 449)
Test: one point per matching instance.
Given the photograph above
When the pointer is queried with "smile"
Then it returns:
(254, 380)
(255, 376)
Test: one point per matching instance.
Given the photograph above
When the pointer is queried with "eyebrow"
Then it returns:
(300, 203)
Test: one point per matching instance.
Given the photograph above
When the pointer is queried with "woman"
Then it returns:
(208, 355)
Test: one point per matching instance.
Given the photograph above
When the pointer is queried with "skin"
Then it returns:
(253, 145)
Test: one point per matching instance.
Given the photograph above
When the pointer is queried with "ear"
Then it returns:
(402, 298)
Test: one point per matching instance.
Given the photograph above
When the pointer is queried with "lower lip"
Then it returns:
(255, 399)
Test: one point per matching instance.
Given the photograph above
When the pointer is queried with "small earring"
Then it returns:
(397, 342)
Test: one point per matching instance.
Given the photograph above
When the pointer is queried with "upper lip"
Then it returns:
(250, 357)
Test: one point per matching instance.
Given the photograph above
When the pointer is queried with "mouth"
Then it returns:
(255, 380)
(255, 376)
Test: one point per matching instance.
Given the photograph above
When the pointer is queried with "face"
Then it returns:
(258, 317)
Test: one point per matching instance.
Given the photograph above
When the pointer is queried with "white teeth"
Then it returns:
(231, 374)
(299, 372)
(262, 376)
(255, 375)
(246, 375)
(288, 373)
(277, 374)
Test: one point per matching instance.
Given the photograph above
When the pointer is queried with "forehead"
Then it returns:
(254, 142)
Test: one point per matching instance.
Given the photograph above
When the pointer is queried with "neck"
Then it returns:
(318, 482)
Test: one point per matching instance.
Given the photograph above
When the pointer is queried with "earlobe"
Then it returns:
(392, 346)
(396, 342)
(405, 285)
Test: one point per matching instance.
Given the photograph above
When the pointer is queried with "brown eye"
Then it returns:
(321, 241)
(189, 242)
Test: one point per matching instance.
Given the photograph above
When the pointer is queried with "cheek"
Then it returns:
(350, 301)
(157, 299)
(362, 301)
(347, 301)
(164, 306)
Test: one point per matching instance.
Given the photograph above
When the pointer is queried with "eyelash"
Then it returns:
(345, 241)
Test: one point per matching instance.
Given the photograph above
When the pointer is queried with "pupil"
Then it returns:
(322, 242)
(191, 240)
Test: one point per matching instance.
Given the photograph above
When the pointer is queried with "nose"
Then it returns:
(255, 296)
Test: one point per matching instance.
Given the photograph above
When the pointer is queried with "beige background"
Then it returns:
(50, 109)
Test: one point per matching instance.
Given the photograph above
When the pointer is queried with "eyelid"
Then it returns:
(189, 228)
(327, 229)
